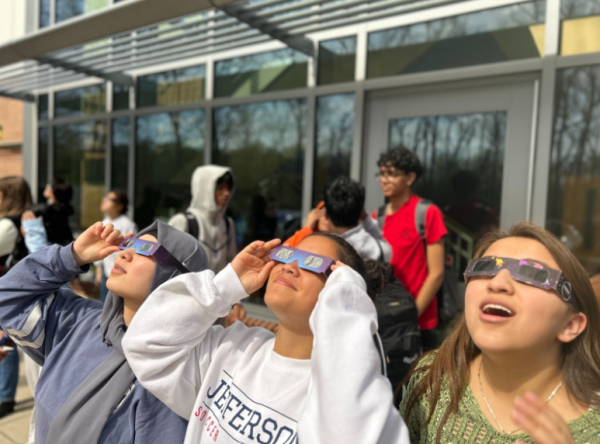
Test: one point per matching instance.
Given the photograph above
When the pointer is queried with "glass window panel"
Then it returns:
(169, 147)
(79, 155)
(570, 9)
(185, 85)
(43, 138)
(264, 145)
(66, 9)
(44, 14)
(463, 158)
(120, 97)
(80, 101)
(573, 207)
(509, 33)
(580, 26)
(334, 135)
(121, 131)
(337, 60)
(43, 107)
(256, 73)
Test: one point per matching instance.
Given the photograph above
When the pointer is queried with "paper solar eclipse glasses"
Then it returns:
(306, 260)
(154, 249)
(527, 272)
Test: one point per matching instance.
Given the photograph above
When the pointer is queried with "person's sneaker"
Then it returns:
(6, 408)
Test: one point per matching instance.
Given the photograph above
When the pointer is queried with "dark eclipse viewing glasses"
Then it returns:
(307, 261)
(527, 272)
(154, 249)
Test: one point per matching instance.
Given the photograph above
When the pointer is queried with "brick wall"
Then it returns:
(11, 121)
(11, 137)
(11, 163)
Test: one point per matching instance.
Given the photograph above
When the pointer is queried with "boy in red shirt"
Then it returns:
(420, 268)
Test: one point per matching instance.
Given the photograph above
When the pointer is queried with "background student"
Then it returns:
(15, 199)
(56, 212)
(342, 213)
(418, 265)
(114, 206)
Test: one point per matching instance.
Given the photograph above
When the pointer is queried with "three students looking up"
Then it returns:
(523, 364)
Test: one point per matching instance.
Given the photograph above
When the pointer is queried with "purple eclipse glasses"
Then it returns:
(154, 249)
(527, 272)
(307, 261)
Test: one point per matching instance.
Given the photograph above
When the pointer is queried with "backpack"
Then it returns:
(398, 326)
(448, 292)
(19, 252)
(194, 227)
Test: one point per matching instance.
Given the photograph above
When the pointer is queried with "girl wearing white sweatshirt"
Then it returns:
(247, 385)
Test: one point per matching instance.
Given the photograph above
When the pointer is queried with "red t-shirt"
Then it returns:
(409, 259)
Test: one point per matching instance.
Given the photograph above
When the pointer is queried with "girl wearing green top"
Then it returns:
(523, 365)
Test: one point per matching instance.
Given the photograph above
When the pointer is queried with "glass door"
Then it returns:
(475, 145)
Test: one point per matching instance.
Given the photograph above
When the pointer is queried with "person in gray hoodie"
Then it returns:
(87, 392)
(205, 219)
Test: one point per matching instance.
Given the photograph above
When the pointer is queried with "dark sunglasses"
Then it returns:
(154, 249)
(306, 260)
(527, 272)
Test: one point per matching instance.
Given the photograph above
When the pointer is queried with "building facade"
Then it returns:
(497, 97)
(12, 26)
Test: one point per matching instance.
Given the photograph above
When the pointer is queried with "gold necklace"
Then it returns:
(490, 408)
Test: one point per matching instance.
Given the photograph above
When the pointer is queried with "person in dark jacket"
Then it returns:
(57, 211)
(87, 393)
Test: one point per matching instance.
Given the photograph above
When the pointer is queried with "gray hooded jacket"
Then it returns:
(86, 392)
(220, 246)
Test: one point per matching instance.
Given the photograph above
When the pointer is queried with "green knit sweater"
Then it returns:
(470, 426)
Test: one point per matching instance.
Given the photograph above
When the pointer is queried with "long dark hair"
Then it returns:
(121, 199)
(369, 270)
(63, 192)
(16, 196)
(580, 358)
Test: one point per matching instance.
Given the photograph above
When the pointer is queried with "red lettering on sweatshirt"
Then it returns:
(210, 426)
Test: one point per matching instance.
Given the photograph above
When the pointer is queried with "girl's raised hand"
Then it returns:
(253, 264)
(540, 421)
(96, 243)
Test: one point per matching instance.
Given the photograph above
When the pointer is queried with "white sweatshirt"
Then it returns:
(234, 388)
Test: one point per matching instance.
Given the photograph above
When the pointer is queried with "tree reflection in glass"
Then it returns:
(334, 135)
(463, 158)
(80, 153)
(495, 35)
(169, 147)
(574, 187)
(264, 144)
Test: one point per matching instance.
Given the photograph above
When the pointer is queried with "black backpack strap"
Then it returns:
(227, 229)
(381, 353)
(380, 222)
(381, 217)
(381, 259)
(193, 227)
(420, 213)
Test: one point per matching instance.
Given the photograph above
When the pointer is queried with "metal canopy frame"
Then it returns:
(113, 42)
